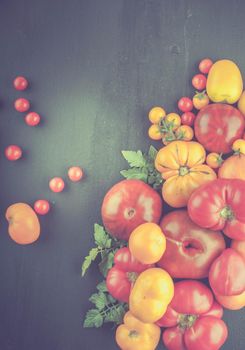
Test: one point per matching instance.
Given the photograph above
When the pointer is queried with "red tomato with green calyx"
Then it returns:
(128, 204)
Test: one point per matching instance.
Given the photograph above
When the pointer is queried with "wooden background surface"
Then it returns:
(95, 68)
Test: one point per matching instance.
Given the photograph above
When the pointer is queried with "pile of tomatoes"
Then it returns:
(202, 163)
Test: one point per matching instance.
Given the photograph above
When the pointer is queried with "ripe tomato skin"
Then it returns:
(20, 83)
(214, 160)
(185, 133)
(185, 104)
(22, 105)
(205, 65)
(173, 338)
(56, 184)
(41, 207)
(13, 152)
(125, 261)
(75, 173)
(128, 204)
(239, 247)
(200, 100)
(154, 132)
(199, 81)
(218, 205)
(156, 114)
(32, 119)
(188, 118)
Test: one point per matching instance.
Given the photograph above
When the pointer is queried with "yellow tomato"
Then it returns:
(184, 132)
(151, 294)
(147, 243)
(224, 83)
(238, 146)
(173, 120)
(154, 132)
(200, 100)
(214, 160)
(241, 103)
(156, 114)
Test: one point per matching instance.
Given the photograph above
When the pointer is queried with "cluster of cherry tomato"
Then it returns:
(14, 152)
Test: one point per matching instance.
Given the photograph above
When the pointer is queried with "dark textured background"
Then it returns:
(95, 68)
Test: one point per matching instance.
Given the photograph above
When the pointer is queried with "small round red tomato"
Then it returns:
(199, 81)
(56, 184)
(41, 206)
(188, 118)
(22, 105)
(20, 83)
(13, 152)
(185, 104)
(32, 119)
(75, 173)
(205, 65)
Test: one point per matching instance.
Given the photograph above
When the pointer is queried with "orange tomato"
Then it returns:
(233, 302)
(173, 120)
(24, 226)
(239, 246)
(182, 168)
(147, 243)
(233, 167)
(214, 160)
(238, 146)
(156, 114)
(200, 100)
(184, 132)
(154, 132)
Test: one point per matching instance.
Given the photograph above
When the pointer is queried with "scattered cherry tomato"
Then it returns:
(188, 118)
(199, 81)
(20, 83)
(13, 152)
(214, 160)
(205, 65)
(154, 132)
(75, 173)
(41, 206)
(32, 119)
(56, 184)
(239, 146)
(184, 132)
(156, 114)
(22, 105)
(174, 120)
(185, 104)
(200, 100)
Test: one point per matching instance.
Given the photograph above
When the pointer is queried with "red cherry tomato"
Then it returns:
(56, 184)
(199, 81)
(13, 152)
(20, 83)
(32, 119)
(41, 206)
(205, 65)
(188, 118)
(22, 105)
(185, 104)
(75, 173)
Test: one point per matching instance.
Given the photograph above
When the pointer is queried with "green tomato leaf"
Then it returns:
(135, 173)
(102, 239)
(152, 153)
(93, 318)
(106, 263)
(102, 286)
(134, 158)
(89, 259)
(115, 314)
(99, 299)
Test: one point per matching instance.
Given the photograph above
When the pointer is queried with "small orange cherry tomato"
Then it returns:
(184, 132)
(147, 243)
(173, 120)
(238, 146)
(154, 132)
(214, 160)
(156, 114)
(200, 100)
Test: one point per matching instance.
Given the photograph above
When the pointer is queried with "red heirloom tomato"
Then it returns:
(217, 126)
(193, 319)
(239, 246)
(122, 275)
(190, 249)
(219, 205)
(128, 204)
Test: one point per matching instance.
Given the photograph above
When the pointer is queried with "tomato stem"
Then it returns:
(227, 213)
(187, 321)
(133, 334)
(183, 170)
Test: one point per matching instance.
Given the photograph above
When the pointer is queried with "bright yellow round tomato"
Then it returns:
(200, 100)
(147, 243)
(156, 114)
(239, 146)
(154, 132)
(184, 132)
(173, 120)
(214, 160)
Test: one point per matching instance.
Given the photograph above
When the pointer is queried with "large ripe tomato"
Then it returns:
(233, 302)
(190, 249)
(193, 319)
(219, 205)
(24, 226)
(217, 126)
(128, 204)
(233, 167)
(239, 246)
